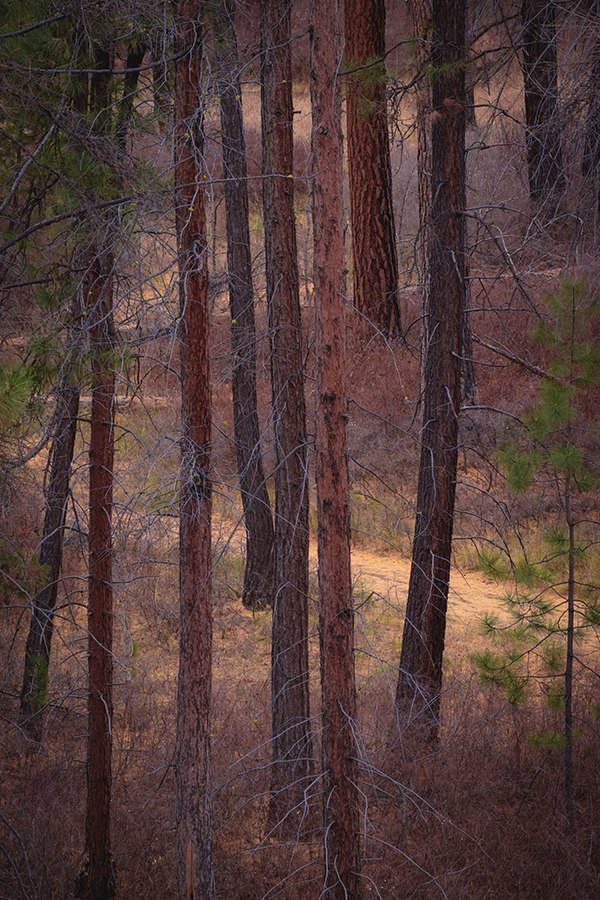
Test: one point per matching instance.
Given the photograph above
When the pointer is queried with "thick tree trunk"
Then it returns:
(258, 576)
(420, 677)
(289, 672)
(543, 128)
(195, 858)
(39, 640)
(96, 879)
(370, 176)
(336, 613)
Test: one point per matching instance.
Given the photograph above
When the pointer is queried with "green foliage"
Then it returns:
(20, 578)
(498, 669)
(550, 447)
(492, 563)
(15, 391)
(37, 673)
(547, 740)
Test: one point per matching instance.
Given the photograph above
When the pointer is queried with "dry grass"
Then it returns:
(480, 816)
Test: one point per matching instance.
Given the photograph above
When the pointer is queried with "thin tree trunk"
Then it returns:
(590, 166)
(289, 671)
(374, 252)
(96, 879)
(258, 575)
(569, 774)
(336, 613)
(195, 856)
(543, 129)
(34, 693)
(420, 677)
(135, 58)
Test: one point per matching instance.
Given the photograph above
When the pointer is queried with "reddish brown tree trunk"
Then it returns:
(420, 677)
(96, 880)
(543, 134)
(192, 756)
(336, 613)
(371, 208)
(289, 671)
(258, 575)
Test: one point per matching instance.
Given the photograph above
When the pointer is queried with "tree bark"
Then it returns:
(543, 128)
(336, 612)
(370, 175)
(135, 58)
(289, 671)
(590, 166)
(39, 640)
(420, 676)
(258, 519)
(96, 879)
(195, 856)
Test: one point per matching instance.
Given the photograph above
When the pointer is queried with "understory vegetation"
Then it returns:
(500, 800)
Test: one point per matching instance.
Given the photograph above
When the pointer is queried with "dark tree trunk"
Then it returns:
(569, 772)
(195, 858)
(420, 677)
(135, 58)
(96, 879)
(289, 671)
(336, 613)
(370, 175)
(591, 154)
(258, 576)
(543, 128)
(161, 92)
(37, 654)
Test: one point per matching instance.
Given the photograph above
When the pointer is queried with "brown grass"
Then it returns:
(478, 818)
(481, 816)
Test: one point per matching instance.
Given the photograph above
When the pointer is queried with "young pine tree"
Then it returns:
(551, 606)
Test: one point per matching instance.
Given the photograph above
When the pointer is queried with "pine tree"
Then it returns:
(551, 609)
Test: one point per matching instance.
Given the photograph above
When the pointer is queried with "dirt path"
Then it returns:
(387, 576)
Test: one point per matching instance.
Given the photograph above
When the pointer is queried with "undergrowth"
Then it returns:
(477, 816)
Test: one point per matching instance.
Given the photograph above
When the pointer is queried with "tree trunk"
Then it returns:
(135, 58)
(258, 576)
(34, 693)
(96, 879)
(370, 174)
(591, 154)
(195, 859)
(420, 677)
(569, 772)
(289, 671)
(336, 613)
(543, 128)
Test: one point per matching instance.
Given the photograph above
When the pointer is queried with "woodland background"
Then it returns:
(91, 129)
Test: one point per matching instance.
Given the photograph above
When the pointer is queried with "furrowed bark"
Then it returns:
(258, 518)
(195, 856)
(292, 745)
(420, 677)
(336, 612)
